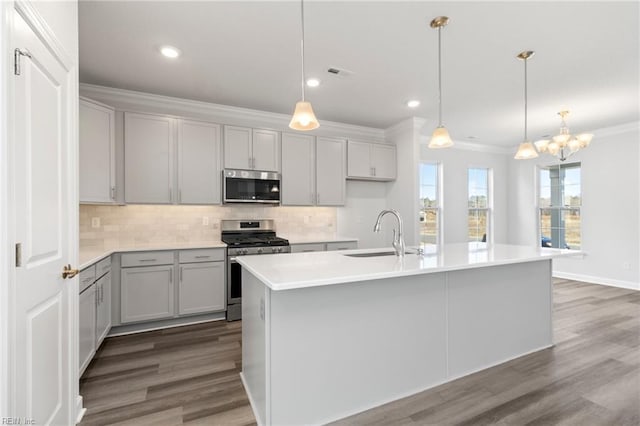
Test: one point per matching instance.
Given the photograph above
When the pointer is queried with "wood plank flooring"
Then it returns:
(189, 375)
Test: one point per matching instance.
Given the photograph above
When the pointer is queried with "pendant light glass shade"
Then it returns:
(526, 150)
(440, 137)
(303, 117)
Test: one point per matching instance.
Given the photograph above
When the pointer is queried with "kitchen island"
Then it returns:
(329, 334)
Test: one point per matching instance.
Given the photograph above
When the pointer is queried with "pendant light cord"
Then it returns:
(525, 100)
(302, 45)
(439, 77)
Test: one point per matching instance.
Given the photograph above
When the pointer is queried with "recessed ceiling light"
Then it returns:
(170, 51)
(413, 104)
(313, 82)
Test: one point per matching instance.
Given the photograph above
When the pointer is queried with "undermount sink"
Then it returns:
(376, 254)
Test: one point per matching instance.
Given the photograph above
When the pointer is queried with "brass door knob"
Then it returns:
(67, 272)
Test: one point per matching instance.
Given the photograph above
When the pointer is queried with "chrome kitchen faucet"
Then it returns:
(398, 237)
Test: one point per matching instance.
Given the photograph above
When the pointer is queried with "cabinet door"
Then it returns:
(201, 288)
(298, 165)
(343, 245)
(97, 153)
(266, 150)
(87, 322)
(383, 161)
(148, 168)
(198, 163)
(237, 147)
(103, 310)
(146, 293)
(359, 159)
(307, 247)
(330, 172)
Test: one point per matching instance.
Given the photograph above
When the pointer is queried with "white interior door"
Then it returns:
(45, 194)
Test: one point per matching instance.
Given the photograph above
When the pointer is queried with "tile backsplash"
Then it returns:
(107, 227)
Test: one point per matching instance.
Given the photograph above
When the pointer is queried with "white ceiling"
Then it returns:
(247, 54)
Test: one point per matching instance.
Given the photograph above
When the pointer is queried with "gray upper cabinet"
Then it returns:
(251, 149)
(148, 158)
(330, 171)
(298, 170)
(169, 160)
(371, 161)
(199, 162)
(97, 180)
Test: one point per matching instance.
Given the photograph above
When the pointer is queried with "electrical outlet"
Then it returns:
(95, 222)
(626, 265)
(205, 221)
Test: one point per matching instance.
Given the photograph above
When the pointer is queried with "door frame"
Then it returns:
(7, 202)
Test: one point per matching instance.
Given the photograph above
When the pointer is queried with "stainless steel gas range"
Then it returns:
(246, 237)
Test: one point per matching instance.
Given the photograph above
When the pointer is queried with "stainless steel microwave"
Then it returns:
(250, 186)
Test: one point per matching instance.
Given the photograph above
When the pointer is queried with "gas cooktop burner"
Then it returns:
(254, 241)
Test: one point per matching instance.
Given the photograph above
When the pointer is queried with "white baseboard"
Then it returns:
(597, 280)
(252, 402)
(80, 410)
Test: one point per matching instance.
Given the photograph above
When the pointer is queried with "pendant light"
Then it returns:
(303, 116)
(526, 149)
(440, 137)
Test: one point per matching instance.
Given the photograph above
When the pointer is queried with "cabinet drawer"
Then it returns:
(345, 245)
(87, 277)
(147, 258)
(103, 267)
(302, 248)
(201, 255)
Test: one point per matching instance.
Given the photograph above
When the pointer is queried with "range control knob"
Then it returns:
(244, 251)
(259, 251)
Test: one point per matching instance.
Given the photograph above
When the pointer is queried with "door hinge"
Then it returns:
(18, 255)
(17, 52)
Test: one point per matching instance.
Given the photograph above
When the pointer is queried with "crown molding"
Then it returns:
(620, 129)
(472, 146)
(133, 101)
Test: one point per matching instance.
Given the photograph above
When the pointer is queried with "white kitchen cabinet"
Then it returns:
(298, 170)
(330, 179)
(251, 149)
(146, 293)
(87, 327)
(97, 164)
(369, 161)
(148, 154)
(201, 288)
(103, 307)
(199, 164)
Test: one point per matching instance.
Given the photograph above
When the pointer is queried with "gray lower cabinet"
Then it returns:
(146, 293)
(201, 288)
(103, 307)
(329, 246)
(87, 326)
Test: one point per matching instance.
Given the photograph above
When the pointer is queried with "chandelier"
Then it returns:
(564, 145)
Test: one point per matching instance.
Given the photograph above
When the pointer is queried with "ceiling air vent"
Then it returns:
(340, 72)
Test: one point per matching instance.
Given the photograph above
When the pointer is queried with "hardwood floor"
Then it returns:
(189, 375)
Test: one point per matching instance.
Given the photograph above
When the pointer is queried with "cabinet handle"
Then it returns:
(318, 198)
(179, 195)
(253, 162)
(148, 260)
(101, 293)
(170, 195)
(202, 257)
(170, 276)
(181, 274)
(311, 197)
(113, 192)
(374, 171)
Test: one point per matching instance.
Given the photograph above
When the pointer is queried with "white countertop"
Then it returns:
(301, 270)
(89, 256)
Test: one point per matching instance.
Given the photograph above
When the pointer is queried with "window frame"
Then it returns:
(439, 202)
(488, 209)
(560, 209)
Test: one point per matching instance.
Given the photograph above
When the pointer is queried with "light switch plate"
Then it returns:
(95, 222)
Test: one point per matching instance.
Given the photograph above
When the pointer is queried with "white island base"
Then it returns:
(317, 354)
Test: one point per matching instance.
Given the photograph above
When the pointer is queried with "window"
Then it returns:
(479, 204)
(559, 202)
(429, 203)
